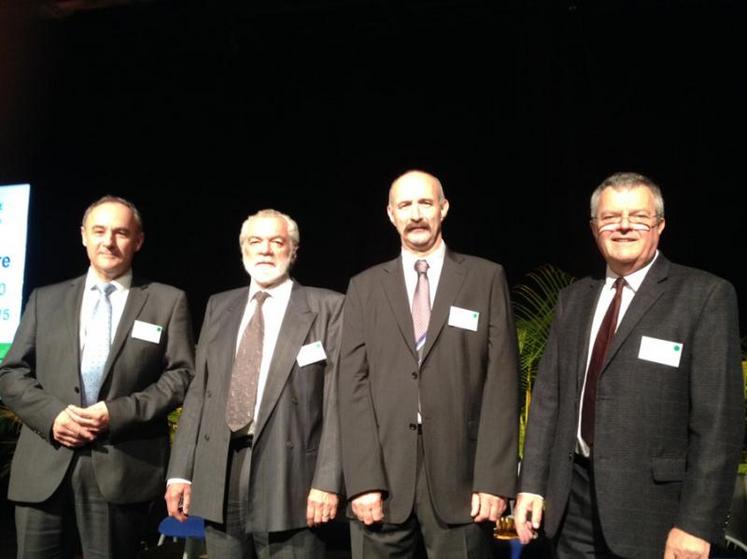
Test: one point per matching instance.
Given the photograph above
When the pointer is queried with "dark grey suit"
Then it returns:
(143, 382)
(667, 439)
(296, 440)
(467, 388)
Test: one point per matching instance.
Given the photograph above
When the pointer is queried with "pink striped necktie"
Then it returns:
(421, 306)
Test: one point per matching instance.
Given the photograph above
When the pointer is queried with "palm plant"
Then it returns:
(533, 304)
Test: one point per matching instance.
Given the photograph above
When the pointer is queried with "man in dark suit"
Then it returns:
(428, 390)
(263, 480)
(95, 367)
(637, 415)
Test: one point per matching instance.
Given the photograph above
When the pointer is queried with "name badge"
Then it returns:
(463, 318)
(660, 351)
(147, 331)
(311, 353)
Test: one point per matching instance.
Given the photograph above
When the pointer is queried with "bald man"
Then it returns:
(428, 390)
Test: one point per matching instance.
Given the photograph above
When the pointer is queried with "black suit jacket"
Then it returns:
(40, 376)
(667, 439)
(467, 386)
(296, 440)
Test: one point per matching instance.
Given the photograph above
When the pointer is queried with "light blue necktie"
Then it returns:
(96, 348)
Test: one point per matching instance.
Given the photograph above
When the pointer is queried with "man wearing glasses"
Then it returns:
(637, 419)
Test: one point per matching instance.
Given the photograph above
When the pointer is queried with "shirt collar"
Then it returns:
(122, 283)
(435, 259)
(281, 290)
(633, 280)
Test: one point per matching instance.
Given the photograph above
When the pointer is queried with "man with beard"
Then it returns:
(428, 390)
(257, 449)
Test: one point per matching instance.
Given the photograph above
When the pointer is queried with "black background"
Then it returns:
(204, 112)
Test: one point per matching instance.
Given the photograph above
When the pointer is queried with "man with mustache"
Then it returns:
(636, 422)
(257, 449)
(428, 390)
(96, 365)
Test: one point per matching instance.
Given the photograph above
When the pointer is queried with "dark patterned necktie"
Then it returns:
(601, 344)
(242, 395)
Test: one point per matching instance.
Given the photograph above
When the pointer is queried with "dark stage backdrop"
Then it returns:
(204, 112)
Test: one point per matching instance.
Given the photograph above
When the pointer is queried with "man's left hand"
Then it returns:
(487, 507)
(95, 417)
(681, 545)
(321, 507)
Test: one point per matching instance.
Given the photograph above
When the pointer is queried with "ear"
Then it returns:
(139, 241)
(391, 215)
(444, 208)
(660, 226)
(83, 236)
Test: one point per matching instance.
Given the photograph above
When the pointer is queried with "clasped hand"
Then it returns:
(76, 426)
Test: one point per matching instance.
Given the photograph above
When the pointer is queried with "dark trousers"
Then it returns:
(77, 511)
(580, 534)
(231, 540)
(440, 539)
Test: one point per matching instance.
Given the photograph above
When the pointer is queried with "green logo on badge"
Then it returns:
(677, 348)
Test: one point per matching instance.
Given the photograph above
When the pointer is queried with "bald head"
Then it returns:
(416, 176)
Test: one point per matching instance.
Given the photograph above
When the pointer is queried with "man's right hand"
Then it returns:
(177, 497)
(69, 433)
(527, 516)
(368, 507)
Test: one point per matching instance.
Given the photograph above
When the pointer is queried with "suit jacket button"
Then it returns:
(570, 456)
(76, 390)
(413, 427)
(208, 393)
(207, 437)
(289, 444)
(294, 400)
(414, 375)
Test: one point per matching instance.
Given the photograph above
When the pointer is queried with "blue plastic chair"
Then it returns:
(192, 531)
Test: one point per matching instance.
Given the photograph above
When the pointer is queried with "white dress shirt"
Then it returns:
(435, 265)
(630, 288)
(91, 295)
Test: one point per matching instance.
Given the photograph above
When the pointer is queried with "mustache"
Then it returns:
(419, 225)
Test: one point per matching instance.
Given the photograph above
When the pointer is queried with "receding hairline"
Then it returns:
(423, 174)
(111, 199)
(294, 235)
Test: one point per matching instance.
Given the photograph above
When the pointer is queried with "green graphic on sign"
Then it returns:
(3, 350)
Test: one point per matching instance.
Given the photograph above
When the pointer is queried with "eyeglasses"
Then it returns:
(636, 222)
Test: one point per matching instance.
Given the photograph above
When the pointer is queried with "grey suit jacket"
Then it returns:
(296, 440)
(40, 376)
(467, 387)
(667, 438)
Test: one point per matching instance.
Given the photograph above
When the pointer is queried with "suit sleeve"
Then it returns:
(543, 415)
(362, 461)
(328, 473)
(497, 444)
(168, 391)
(181, 463)
(19, 388)
(716, 417)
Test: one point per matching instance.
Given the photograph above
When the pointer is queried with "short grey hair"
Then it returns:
(293, 233)
(628, 181)
(111, 199)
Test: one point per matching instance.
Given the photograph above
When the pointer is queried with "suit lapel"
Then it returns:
(135, 300)
(222, 342)
(396, 293)
(449, 284)
(652, 287)
(588, 303)
(293, 331)
(71, 310)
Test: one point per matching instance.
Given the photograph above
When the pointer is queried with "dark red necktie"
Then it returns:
(601, 344)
